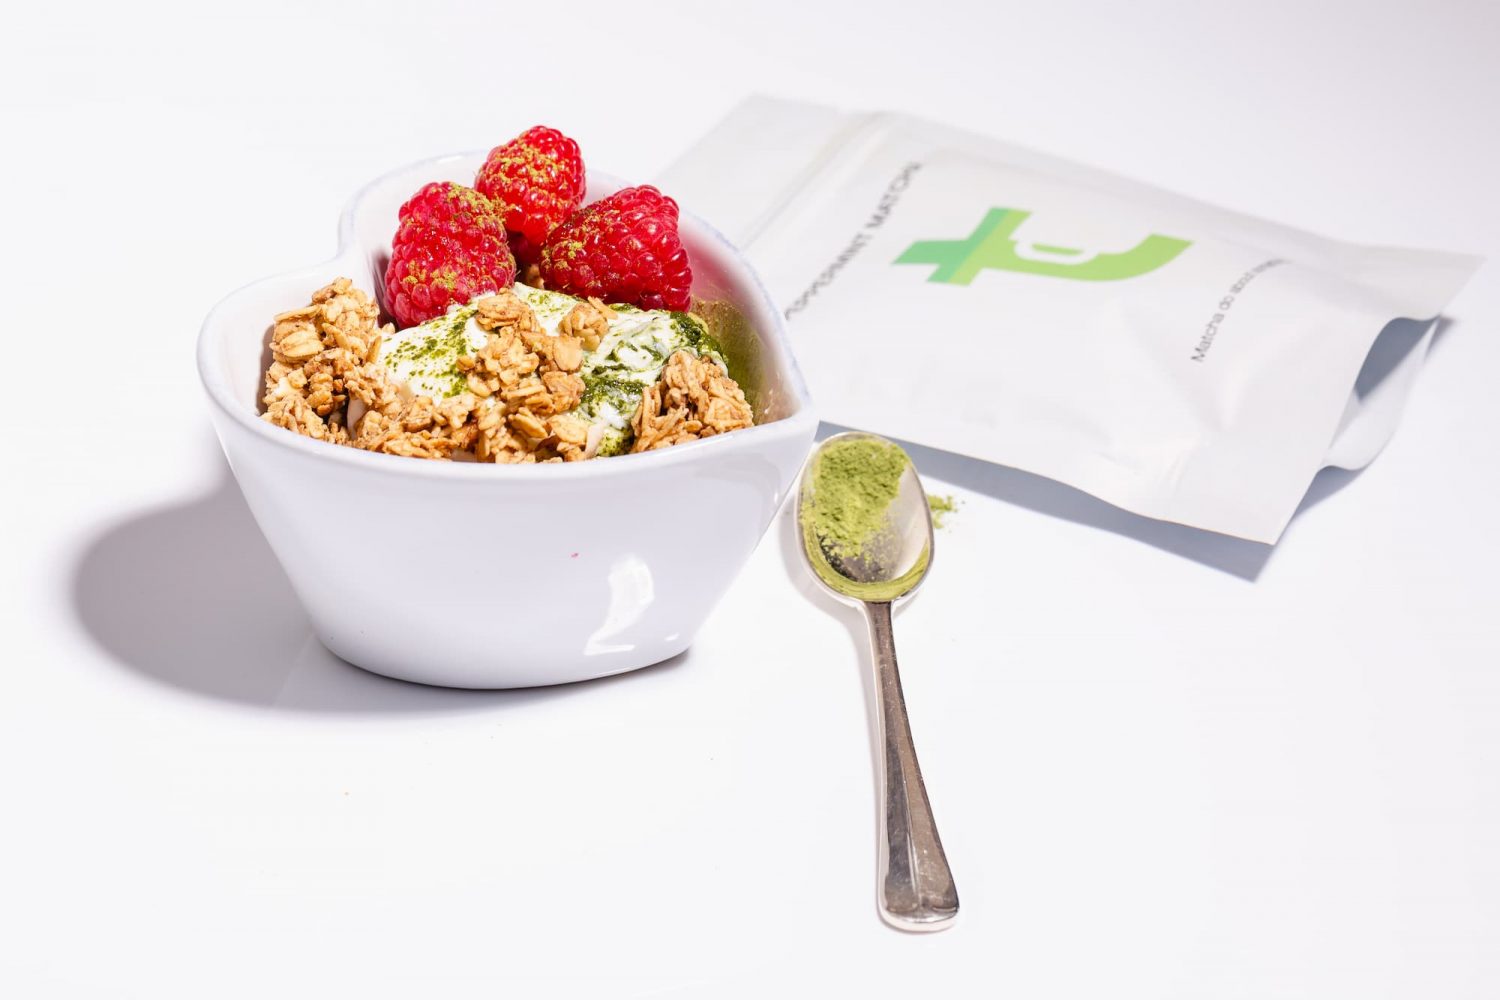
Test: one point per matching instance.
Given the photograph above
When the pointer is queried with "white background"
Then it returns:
(1165, 765)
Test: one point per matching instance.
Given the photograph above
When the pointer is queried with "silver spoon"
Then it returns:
(916, 886)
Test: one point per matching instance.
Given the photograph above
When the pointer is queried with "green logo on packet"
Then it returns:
(993, 245)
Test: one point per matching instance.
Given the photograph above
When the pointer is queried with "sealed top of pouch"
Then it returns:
(1178, 360)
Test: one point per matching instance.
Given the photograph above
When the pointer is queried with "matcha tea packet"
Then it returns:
(1178, 360)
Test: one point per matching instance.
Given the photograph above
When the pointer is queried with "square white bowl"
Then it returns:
(483, 576)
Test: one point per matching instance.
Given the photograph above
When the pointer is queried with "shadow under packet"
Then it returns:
(1178, 360)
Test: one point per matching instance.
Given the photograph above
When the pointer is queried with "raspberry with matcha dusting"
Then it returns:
(623, 248)
(536, 180)
(449, 248)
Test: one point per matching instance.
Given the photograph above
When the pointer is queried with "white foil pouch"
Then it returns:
(1178, 360)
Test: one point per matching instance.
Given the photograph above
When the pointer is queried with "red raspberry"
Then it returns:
(449, 247)
(644, 198)
(623, 248)
(537, 179)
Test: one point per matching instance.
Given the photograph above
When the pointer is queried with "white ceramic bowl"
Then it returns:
(472, 575)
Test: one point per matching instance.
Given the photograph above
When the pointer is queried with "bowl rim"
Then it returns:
(221, 395)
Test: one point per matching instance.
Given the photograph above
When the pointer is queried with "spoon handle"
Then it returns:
(916, 886)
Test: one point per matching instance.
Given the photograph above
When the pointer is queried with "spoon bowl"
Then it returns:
(897, 553)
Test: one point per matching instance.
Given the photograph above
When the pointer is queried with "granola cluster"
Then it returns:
(313, 351)
(588, 321)
(520, 395)
(694, 399)
(524, 384)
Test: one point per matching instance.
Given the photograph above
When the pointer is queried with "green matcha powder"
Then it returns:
(854, 483)
(941, 507)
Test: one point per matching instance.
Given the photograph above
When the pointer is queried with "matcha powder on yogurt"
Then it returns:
(854, 482)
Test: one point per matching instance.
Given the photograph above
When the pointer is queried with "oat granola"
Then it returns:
(519, 376)
(694, 399)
